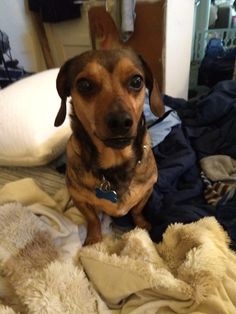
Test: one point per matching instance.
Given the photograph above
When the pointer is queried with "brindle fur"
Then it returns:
(89, 157)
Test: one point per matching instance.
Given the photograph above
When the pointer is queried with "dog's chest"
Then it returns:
(118, 190)
(132, 193)
(114, 190)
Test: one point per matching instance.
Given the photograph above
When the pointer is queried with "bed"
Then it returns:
(187, 262)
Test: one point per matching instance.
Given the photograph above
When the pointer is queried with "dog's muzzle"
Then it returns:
(119, 125)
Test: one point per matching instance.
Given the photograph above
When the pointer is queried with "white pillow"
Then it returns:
(28, 109)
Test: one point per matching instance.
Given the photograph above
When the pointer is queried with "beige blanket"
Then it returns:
(44, 269)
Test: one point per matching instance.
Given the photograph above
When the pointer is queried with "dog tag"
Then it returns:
(107, 195)
(105, 192)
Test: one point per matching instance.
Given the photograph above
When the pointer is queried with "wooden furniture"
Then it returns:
(147, 38)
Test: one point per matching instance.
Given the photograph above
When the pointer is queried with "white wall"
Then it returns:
(65, 39)
(17, 23)
(178, 44)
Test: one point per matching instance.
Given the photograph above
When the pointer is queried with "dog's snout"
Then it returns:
(119, 123)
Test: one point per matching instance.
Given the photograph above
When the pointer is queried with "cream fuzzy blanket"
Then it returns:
(44, 269)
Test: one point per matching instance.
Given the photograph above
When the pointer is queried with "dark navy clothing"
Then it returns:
(209, 120)
(208, 128)
(54, 11)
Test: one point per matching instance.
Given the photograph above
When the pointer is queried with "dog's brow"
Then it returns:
(107, 59)
(121, 67)
(122, 62)
(126, 65)
(93, 66)
(91, 70)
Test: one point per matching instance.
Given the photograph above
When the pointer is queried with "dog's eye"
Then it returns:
(136, 82)
(85, 86)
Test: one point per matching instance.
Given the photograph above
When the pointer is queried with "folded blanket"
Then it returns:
(219, 168)
(191, 271)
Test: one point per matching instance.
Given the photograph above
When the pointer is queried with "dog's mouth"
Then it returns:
(118, 142)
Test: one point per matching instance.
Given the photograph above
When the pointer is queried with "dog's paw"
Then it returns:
(92, 239)
(141, 222)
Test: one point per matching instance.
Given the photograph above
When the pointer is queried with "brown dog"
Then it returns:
(110, 164)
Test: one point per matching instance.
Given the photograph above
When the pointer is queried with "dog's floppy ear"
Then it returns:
(155, 99)
(63, 89)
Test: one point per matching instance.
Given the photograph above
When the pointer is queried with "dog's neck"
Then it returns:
(117, 166)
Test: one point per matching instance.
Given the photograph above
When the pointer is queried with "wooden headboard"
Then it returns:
(147, 38)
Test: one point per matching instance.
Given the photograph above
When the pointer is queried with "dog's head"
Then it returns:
(107, 88)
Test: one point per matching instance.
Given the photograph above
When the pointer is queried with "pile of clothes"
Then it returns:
(195, 150)
(218, 63)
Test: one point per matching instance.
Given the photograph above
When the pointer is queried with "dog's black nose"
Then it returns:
(119, 123)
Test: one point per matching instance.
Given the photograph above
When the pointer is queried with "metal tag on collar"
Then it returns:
(105, 192)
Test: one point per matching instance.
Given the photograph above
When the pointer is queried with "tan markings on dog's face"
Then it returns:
(108, 91)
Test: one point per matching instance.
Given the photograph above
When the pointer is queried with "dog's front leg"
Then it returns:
(94, 233)
(137, 215)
